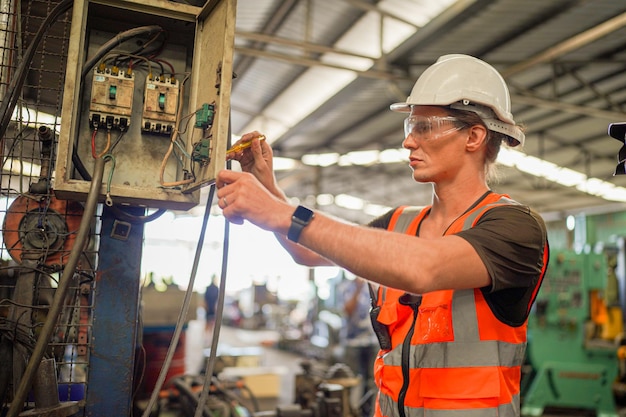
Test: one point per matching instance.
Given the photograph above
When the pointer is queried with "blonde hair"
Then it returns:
(493, 141)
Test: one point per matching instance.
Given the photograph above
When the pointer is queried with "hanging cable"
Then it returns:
(183, 311)
(59, 296)
(219, 309)
(208, 372)
(112, 43)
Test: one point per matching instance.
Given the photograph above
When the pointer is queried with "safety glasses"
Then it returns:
(430, 127)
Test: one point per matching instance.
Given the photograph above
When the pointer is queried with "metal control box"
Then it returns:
(147, 87)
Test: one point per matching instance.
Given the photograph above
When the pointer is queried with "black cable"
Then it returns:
(183, 313)
(229, 392)
(112, 43)
(208, 373)
(253, 398)
(11, 96)
(122, 215)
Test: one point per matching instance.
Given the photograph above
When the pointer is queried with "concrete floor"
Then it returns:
(251, 353)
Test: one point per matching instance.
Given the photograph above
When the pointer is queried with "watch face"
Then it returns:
(303, 213)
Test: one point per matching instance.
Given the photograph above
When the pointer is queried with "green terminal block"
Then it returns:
(204, 116)
(201, 151)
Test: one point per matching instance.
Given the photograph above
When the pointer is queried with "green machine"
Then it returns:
(574, 357)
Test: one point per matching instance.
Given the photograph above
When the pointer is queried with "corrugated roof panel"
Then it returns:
(323, 23)
(252, 15)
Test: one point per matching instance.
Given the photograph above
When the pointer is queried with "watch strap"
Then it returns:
(301, 217)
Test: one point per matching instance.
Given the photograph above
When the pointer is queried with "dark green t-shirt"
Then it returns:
(510, 240)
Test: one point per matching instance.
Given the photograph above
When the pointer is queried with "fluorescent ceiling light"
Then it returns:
(394, 156)
(325, 199)
(362, 158)
(508, 157)
(18, 167)
(321, 159)
(563, 176)
(375, 210)
(349, 202)
(359, 158)
(35, 118)
(284, 164)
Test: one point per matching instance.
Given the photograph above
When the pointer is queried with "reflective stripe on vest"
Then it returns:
(389, 408)
(446, 375)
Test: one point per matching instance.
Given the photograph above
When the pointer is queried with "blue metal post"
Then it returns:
(115, 324)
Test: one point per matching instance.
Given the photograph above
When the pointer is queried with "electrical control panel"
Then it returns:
(136, 94)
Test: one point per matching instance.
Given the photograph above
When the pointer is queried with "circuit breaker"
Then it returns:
(111, 99)
(147, 88)
(160, 104)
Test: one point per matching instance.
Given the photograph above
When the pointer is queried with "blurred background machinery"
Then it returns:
(111, 113)
(576, 339)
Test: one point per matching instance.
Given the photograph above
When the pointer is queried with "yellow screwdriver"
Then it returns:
(243, 145)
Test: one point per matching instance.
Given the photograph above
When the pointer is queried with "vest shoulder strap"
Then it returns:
(404, 217)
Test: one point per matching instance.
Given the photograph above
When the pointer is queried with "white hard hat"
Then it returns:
(464, 82)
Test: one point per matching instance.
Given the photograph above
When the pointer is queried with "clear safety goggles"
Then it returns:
(430, 127)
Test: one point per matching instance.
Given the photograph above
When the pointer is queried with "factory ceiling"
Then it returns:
(318, 76)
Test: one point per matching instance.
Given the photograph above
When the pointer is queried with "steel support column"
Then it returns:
(115, 324)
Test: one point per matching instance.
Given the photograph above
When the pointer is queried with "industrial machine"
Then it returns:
(575, 332)
(137, 95)
(320, 391)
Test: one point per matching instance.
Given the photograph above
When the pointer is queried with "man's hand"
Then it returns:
(241, 196)
(258, 159)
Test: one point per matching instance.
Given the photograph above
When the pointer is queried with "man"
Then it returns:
(357, 338)
(454, 284)
(210, 303)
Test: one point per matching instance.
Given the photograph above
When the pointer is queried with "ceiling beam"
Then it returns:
(306, 62)
(571, 44)
(305, 46)
(568, 108)
(278, 17)
(368, 7)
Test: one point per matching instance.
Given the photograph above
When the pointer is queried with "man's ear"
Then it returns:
(476, 138)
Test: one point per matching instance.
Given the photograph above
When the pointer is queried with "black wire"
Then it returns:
(11, 96)
(18, 137)
(221, 294)
(253, 398)
(156, 50)
(218, 316)
(117, 141)
(112, 43)
(122, 215)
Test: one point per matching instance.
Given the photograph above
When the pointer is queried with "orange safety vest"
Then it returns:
(450, 356)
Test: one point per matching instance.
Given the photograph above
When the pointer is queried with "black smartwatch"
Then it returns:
(299, 220)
